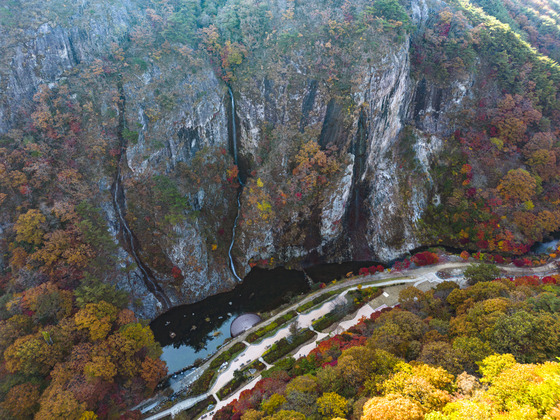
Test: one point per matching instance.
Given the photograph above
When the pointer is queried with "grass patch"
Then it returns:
(202, 384)
(198, 409)
(231, 387)
(316, 301)
(327, 320)
(268, 329)
(356, 299)
(286, 345)
(257, 364)
(285, 364)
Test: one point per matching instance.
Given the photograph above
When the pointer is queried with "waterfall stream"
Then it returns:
(240, 191)
(129, 239)
(128, 236)
(233, 129)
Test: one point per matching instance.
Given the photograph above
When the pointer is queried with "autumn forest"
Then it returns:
(154, 152)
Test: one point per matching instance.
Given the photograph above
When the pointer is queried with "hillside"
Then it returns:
(152, 152)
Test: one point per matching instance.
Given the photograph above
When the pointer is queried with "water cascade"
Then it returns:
(355, 222)
(359, 150)
(129, 239)
(240, 191)
(128, 236)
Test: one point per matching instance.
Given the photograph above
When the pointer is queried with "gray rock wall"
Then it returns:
(369, 209)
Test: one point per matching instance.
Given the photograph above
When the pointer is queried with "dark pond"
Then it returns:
(200, 328)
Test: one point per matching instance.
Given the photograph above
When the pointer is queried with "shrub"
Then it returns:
(200, 407)
(481, 272)
(316, 301)
(425, 258)
(357, 299)
(227, 355)
(201, 385)
(240, 377)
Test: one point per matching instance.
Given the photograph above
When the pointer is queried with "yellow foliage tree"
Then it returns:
(286, 415)
(527, 387)
(463, 409)
(392, 407)
(332, 405)
(518, 186)
(424, 384)
(493, 365)
(57, 403)
(141, 336)
(517, 392)
(21, 400)
(98, 318)
(30, 355)
(28, 227)
(153, 370)
(19, 258)
(311, 162)
(100, 367)
(273, 403)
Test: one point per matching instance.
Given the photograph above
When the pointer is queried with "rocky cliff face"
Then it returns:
(370, 209)
(375, 223)
(41, 44)
(383, 127)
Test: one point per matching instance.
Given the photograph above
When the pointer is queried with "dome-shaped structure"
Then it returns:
(242, 323)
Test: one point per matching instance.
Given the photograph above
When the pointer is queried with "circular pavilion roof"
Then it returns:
(242, 323)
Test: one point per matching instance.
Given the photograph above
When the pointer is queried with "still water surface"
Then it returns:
(200, 328)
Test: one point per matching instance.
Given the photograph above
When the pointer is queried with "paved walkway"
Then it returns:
(424, 278)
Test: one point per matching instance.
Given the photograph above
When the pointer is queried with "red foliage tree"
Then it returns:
(549, 280)
(425, 258)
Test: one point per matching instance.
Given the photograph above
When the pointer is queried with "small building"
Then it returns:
(242, 323)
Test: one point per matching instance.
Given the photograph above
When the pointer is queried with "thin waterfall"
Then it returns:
(233, 129)
(129, 239)
(359, 150)
(128, 236)
(240, 191)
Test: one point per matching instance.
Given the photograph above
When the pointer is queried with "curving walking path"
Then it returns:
(424, 278)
